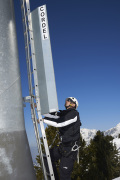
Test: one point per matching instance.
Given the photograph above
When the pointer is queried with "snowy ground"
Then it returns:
(117, 142)
(117, 178)
(88, 134)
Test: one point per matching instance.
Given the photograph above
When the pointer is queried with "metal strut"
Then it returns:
(33, 84)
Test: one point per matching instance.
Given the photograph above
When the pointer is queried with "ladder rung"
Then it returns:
(24, 16)
(23, 19)
(22, 6)
(39, 111)
(27, 45)
(28, 60)
(30, 30)
(25, 33)
(44, 155)
(48, 174)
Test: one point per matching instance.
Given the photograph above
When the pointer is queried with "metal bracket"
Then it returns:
(27, 99)
(75, 147)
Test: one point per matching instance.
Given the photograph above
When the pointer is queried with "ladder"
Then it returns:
(33, 97)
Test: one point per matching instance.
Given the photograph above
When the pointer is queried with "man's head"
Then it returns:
(71, 102)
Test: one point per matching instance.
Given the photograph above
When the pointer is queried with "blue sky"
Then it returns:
(85, 41)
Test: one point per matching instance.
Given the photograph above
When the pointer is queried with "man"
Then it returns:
(68, 122)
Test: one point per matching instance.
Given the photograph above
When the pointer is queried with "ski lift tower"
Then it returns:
(15, 158)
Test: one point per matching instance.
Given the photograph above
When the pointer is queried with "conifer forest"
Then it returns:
(100, 160)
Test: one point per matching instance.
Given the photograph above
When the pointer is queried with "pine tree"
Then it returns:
(38, 169)
(98, 161)
(102, 158)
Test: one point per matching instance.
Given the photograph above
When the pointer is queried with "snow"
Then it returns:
(117, 178)
(116, 141)
(113, 131)
(88, 134)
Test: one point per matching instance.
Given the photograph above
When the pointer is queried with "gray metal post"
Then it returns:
(15, 158)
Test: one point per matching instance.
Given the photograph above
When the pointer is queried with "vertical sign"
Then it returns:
(44, 61)
(44, 22)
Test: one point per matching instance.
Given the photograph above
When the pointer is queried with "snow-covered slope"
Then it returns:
(117, 142)
(113, 131)
(117, 178)
(88, 134)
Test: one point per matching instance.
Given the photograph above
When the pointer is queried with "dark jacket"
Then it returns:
(68, 122)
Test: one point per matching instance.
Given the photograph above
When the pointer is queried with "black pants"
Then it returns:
(66, 163)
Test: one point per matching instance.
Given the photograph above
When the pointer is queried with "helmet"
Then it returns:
(74, 100)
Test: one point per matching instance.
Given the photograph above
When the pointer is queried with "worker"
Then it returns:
(68, 122)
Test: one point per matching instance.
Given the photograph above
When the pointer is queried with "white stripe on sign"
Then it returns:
(43, 22)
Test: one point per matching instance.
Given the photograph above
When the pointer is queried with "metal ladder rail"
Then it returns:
(37, 94)
(39, 113)
(33, 113)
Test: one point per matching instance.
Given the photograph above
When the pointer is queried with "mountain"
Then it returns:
(117, 142)
(113, 131)
(88, 134)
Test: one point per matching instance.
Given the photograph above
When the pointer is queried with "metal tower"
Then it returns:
(15, 158)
